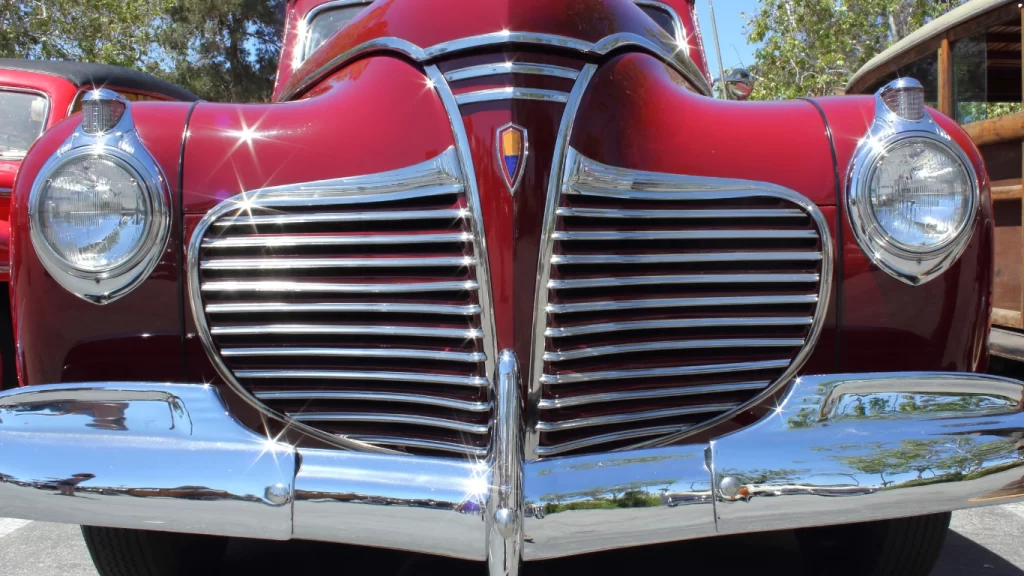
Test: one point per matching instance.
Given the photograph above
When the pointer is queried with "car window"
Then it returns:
(22, 120)
(662, 18)
(326, 22)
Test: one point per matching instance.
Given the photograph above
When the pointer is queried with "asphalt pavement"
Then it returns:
(985, 541)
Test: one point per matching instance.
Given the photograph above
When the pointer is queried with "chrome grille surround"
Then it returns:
(349, 303)
(695, 207)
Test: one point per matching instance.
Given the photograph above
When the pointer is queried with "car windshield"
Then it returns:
(22, 118)
(328, 21)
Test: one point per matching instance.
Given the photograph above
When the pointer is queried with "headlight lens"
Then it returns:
(920, 195)
(94, 213)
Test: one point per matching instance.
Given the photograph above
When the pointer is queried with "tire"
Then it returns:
(123, 552)
(903, 546)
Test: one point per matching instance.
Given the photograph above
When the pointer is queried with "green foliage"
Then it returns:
(223, 50)
(813, 47)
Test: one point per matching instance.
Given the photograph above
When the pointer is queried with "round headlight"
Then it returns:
(920, 195)
(94, 213)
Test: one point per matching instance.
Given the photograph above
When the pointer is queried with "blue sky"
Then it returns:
(730, 32)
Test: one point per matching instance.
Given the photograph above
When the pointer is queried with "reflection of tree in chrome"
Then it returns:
(900, 405)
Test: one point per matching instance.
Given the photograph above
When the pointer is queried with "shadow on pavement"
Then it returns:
(961, 556)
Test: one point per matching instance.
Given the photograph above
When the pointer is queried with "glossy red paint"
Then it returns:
(62, 338)
(587, 20)
(889, 325)
(375, 115)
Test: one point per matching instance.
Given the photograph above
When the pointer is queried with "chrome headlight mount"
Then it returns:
(901, 121)
(91, 218)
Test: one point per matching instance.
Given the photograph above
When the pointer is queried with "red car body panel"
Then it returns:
(379, 113)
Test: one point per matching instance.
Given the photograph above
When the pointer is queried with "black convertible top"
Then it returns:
(83, 73)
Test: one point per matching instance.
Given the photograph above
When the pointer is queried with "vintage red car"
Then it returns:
(487, 257)
(35, 95)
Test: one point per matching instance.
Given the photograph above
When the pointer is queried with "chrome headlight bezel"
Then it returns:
(888, 131)
(120, 145)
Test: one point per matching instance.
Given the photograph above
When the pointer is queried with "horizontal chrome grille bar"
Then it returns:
(681, 279)
(679, 323)
(553, 404)
(266, 241)
(319, 218)
(606, 438)
(383, 417)
(345, 330)
(452, 403)
(290, 351)
(327, 195)
(594, 351)
(681, 303)
(511, 93)
(472, 381)
(319, 263)
(680, 214)
(684, 258)
(668, 195)
(283, 286)
(325, 307)
(624, 417)
(592, 235)
(464, 449)
(510, 68)
(663, 372)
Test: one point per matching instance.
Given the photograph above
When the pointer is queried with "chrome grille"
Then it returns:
(669, 301)
(354, 307)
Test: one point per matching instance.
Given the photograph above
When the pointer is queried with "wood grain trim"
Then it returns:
(995, 130)
(1010, 318)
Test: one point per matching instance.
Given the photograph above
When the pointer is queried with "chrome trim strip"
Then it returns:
(285, 286)
(441, 174)
(506, 37)
(285, 263)
(505, 505)
(510, 93)
(681, 303)
(556, 449)
(576, 377)
(582, 329)
(387, 418)
(591, 352)
(680, 214)
(554, 404)
(290, 351)
(546, 249)
(682, 279)
(249, 220)
(5, 192)
(417, 331)
(684, 258)
(355, 395)
(684, 235)
(482, 70)
(384, 307)
(464, 160)
(265, 241)
(472, 381)
(624, 417)
(463, 449)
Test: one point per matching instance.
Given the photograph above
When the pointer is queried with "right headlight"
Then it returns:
(913, 193)
(99, 209)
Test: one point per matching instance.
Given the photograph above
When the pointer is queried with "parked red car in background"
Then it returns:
(35, 95)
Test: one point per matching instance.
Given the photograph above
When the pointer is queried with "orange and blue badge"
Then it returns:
(512, 148)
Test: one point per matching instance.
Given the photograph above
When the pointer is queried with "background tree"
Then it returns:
(813, 47)
(223, 50)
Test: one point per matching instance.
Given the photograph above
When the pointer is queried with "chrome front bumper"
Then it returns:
(838, 449)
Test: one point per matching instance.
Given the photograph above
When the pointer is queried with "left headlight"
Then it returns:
(99, 214)
(913, 193)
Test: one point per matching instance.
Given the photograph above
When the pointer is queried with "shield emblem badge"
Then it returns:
(512, 149)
